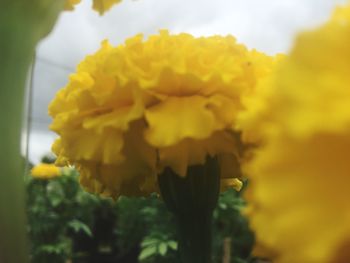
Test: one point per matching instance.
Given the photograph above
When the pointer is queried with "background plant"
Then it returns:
(67, 223)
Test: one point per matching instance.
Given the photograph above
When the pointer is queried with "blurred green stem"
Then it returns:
(22, 24)
(192, 200)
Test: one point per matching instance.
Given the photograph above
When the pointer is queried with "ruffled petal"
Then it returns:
(193, 152)
(135, 175)
(179, 118)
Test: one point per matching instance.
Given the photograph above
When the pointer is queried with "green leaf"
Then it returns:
(147, 252)
(172, 244)
(77, 226)
(223, 206)
(162, 248)
(149, 241)
(55, 193)
(58, 248)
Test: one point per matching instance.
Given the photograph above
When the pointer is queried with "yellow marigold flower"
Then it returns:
(100, 6)
(45, 171)
(298, 192)
(169, 101)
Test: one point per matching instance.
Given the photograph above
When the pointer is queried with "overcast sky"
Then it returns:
(266, 25)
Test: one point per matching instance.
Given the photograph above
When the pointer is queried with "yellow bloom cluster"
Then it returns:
(299, 178)
(169, 101)
(100, 6)
(45, 171)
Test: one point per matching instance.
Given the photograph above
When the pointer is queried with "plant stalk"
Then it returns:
(22, 24)
(192, 200)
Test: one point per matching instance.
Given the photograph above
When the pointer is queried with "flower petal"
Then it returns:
(179, 118)
(135, 175)
(193, 152)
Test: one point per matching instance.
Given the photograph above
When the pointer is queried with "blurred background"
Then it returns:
(268, 26)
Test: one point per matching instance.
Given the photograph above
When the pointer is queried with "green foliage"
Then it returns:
(157, 247)
(229, 223)
(78, 226)
(147, 223)
(65, 222)
(57, 208)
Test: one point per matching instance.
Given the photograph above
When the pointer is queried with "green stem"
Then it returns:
(15, 61)
(22, 24)
(195, 237)
(192, 200)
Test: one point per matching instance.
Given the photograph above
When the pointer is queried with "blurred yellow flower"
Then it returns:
(169, 101)
(298, 194)
(45, 171)
(69, 4)
(100, 6)
(257, 105)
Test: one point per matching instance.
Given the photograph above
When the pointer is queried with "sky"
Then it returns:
(266, 25)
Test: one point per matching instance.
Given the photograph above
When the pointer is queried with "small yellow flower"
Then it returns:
(234, 183)
(45, 171)
(169, 101)
(298, 192)
(100, 6)
(69, 4)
